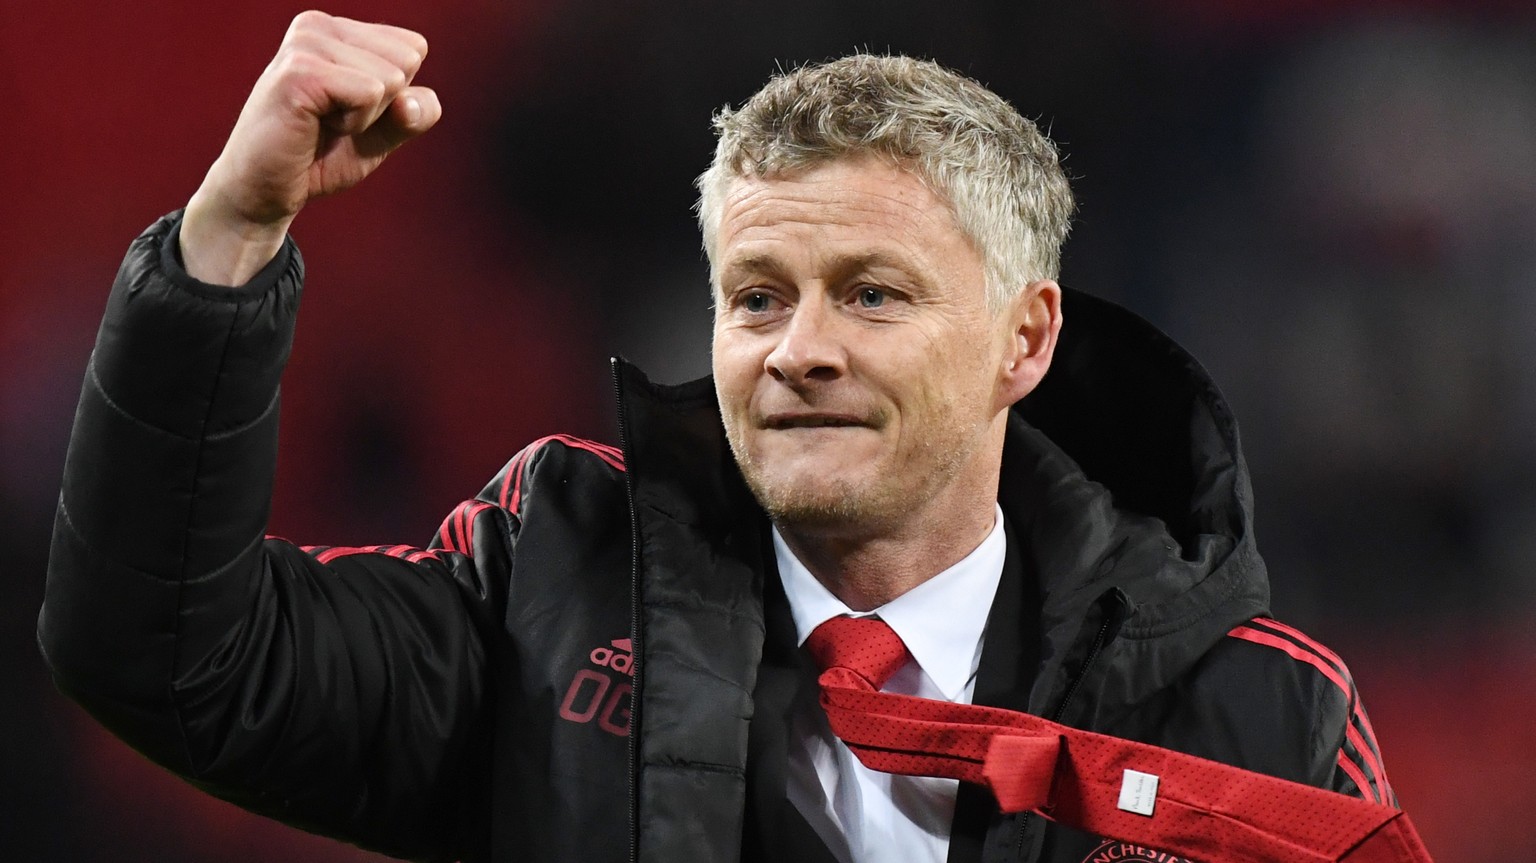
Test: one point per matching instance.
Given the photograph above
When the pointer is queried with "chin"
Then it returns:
(829, 491)
(822, 504)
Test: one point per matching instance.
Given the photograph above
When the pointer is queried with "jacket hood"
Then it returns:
(1124, 473)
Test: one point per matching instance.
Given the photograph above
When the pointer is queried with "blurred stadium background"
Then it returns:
(1333, 204)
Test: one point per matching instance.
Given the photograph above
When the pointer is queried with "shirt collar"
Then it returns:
(942, 620)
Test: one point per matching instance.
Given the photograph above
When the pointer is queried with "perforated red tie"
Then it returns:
(865, 646)
(1099, 784)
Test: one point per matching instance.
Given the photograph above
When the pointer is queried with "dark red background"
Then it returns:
(464, 301)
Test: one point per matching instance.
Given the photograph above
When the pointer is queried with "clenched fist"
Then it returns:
(330, 106)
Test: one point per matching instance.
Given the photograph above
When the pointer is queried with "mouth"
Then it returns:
(780, 422)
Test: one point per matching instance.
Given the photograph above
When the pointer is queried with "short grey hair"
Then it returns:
(1000, 175)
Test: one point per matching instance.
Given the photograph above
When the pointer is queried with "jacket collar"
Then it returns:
(1123, 470)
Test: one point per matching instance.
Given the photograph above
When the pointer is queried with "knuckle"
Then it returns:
(295, 63)
(309, 20)
(286, 63)
(299, 56)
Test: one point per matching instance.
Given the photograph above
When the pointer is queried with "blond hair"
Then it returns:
(999, 174)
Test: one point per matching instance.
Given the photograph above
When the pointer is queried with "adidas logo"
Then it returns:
(619, 657)
(600, 696)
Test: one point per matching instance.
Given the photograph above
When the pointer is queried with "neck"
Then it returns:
(867, 571)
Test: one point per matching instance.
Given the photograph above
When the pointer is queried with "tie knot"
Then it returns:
(867, 646)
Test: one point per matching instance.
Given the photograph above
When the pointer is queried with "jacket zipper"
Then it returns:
(634, 621)
(1061, 710)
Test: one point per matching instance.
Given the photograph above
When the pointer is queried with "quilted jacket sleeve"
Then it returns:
(341, 690)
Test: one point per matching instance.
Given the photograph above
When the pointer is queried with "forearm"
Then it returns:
(272, 678)
(167, 481)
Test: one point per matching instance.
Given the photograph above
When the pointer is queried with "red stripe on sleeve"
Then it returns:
(1357, 777)
(511, 496)
(514, 474)
(1323, 651)
(517, 491)
(1367, 760)
(517, 483)
(506, 481)
(1247, 633)
(1367, 754)
(1360, 715)
(403, 552)
(475, 509)
(334, 552)
(458, 528)
(611, 455)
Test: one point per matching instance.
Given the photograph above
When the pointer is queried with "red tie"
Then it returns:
(1102, 785)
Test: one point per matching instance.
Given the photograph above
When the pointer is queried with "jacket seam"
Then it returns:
(95, 379)
(247, 426)
(1168, 627)
(691, 666)
(144, 573)
(707, 766)
(729, 614)
(123, 412)
(1325, 752)
(197, 468)
(223, 567)
(80, 535)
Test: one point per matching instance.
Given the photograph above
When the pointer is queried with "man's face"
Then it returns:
(856, 360)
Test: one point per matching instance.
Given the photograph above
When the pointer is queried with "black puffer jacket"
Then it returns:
(571, 670)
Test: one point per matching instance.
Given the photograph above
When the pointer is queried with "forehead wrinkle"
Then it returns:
(863, 220)
(809, 188)
(786, 202)
(834, 266)
(818, 225)
(842, 266)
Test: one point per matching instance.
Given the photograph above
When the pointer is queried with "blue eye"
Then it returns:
(756, 302)
(871, 298)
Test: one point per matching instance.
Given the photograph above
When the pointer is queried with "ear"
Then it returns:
(1034, 322)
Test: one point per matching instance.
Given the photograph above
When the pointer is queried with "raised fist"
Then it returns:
(330, 106)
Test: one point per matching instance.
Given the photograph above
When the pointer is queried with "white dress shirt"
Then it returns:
(864, 815)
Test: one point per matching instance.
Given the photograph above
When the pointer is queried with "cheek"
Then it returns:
(948, 391)
(733, 370)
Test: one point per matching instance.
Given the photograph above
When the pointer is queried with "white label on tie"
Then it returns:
(1138, 792)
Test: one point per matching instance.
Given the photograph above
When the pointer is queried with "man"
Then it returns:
(601, 655)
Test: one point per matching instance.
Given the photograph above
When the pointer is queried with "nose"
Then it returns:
(809, 349)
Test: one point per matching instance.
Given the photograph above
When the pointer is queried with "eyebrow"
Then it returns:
(842, 265)
(766, 265)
